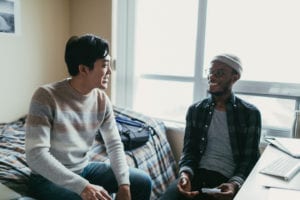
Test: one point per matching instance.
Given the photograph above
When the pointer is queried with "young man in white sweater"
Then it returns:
(61, 125)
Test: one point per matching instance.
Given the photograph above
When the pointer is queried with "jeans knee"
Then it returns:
(147, 181)
(143, 179)
(140, 181)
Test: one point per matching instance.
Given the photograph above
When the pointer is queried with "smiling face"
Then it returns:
(220, 79)
(98, 77)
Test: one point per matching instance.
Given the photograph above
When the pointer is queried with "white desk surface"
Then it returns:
(254, 188)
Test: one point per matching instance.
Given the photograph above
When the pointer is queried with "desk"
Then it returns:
(253, 188)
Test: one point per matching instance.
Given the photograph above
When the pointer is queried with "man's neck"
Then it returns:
(79, 85)
(221, 101)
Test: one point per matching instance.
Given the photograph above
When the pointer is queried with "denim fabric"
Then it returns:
(97, 173)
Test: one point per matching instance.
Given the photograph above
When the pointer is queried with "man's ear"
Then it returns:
(83, 69)
(236, 77)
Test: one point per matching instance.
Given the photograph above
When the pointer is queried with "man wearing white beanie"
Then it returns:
(221, 142)
(231, 60)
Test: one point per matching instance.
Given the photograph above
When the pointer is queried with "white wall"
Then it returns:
(36, 56)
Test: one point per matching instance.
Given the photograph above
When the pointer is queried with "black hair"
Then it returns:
(84, 50)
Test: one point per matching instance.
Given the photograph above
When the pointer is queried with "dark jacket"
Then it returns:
(244, 127)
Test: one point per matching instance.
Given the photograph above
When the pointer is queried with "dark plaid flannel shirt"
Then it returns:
(244, 127)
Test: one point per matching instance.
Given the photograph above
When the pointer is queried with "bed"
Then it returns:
(154, 157)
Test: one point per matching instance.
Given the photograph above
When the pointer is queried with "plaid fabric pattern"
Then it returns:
(14, 171)
(155, 157)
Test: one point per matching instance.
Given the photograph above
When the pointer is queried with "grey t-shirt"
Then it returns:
(218, 154)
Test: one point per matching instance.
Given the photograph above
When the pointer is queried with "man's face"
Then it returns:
(98, 77)
(220, 79)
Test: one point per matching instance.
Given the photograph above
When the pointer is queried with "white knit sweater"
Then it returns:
(60, 130)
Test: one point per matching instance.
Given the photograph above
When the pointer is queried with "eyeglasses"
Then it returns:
(217, 73)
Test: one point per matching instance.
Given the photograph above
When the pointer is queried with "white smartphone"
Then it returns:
(210, 190)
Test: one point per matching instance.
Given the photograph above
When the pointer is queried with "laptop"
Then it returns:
(290, 146)
(8, 194)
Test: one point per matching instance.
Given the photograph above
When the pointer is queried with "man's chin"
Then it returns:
(103, 86)
(215, 93)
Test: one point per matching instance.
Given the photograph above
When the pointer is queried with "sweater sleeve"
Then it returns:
(114, 146)
(37, 145)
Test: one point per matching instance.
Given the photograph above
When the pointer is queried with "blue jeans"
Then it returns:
(97, 173)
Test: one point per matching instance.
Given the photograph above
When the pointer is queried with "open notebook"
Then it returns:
(279, 194)
(290, 146)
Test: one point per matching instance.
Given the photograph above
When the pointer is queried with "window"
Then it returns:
(164, 47)
(160, 57)
(262, 32)
(277, 114)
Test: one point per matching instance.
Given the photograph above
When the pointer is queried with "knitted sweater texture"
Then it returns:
(60, 130)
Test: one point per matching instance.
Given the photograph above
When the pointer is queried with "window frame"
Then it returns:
(124, 60)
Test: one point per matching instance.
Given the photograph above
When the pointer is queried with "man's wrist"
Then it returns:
(185, 175)
(124, 186)
(236, 185)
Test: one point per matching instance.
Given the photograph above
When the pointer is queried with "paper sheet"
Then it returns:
(279, 194)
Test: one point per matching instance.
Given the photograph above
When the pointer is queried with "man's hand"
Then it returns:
(184, 186)
(123, 193)
(228, 190)
(94, 192)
